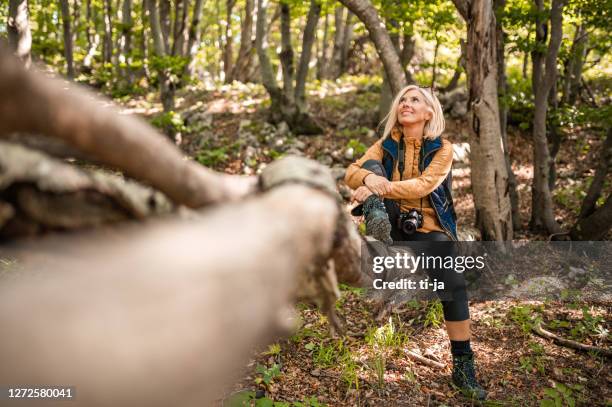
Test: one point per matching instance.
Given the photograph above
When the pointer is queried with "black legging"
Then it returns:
(454, 296)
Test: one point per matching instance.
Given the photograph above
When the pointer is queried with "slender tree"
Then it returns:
(284, 106)
(68, 49)
(489, 171)
(18, 27)
(543, 79)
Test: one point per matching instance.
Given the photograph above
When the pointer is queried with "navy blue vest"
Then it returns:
(441, 199)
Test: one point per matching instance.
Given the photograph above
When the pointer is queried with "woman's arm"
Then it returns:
(429, 180)
(355, 174)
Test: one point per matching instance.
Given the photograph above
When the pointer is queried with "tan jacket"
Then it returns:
(413, 185)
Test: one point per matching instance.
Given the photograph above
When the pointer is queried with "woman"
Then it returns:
(409, 167)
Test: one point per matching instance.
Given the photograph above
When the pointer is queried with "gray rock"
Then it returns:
(538, 288)
(282, 129)
(300, 145)
(349, 153)
(338, 172)
(326, 160)
(294, 151)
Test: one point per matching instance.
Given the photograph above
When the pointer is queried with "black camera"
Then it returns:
(409, 222)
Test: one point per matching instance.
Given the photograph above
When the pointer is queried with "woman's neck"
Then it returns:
(413, 131)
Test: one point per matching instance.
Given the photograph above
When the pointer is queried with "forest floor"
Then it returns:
(225, 129)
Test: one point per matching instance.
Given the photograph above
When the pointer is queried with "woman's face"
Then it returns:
(413, 109)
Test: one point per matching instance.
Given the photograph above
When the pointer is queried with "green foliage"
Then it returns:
(386, 336)
(535, 360)
(169, 120)
(267, 375)
(358, 147)
(523, 316)
(327, 355)
(212, 158)
(561, 395)
(273, 349)
(435, 314)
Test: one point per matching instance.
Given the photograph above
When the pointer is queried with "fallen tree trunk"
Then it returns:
(34, 104)
(168, 314)
(40, 194)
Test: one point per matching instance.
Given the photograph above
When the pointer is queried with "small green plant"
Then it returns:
(267, 374)
(273, 349)
(212, 158)
(561, 395)
(523, 316)
(358, 147)
(386, 336)
(327, 355)
(435, 314)
(169, 121)
(350, 370)
(378, 364)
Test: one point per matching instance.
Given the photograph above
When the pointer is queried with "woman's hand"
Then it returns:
(361, 194)
(377, 184)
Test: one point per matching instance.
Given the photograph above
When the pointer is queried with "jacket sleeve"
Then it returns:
(355, 174)
(429, 180)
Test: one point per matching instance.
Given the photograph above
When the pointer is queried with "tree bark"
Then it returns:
(86, 316)
(573, 72)
(180, 28)
(65, 9)
(30, 103)
(308, 40)
(367, 14)
(164, 22)
(502, 90)
(127, 25)
(107, 52)
(286, 54)
(489, 172)
(283, 106)
(243, 61)
(452, 85)
(194, 29)
(593, 222)
(322, 60)
(18, 27)
(334, 65)
(166, 87)
(544, 77)
(347, 37)
(228, 50)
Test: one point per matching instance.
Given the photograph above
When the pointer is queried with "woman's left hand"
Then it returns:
(361, 194)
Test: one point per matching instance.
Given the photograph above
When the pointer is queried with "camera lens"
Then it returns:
(410, 226)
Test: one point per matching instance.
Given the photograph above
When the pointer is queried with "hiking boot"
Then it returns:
(377, 220)
(464, 377)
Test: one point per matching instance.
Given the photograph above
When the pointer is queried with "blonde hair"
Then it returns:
(433, 127)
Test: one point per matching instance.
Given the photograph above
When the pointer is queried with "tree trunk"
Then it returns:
(502, 89)
(180, 28)
(126, 40)
(283, 106)
(18, 27)
(286, 54)
(107, 52)
(322, 60)
(333, 68)
(461, 68)
(308, 40)
(65, 9)
(435, 61)
(544, 76)
(386, 97)
(227, 52)
(164, 22)
(29, 103)
(243, 61)
(194, 30)
(573, 72)
(489, 172)
(347, 37)
(367, 14)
